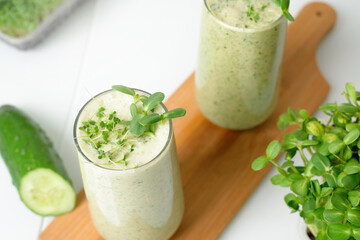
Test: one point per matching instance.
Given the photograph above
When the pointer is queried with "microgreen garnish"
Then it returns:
(142, 117)
(326, 188)
(114, 138)
(284, 4)
(252, 14)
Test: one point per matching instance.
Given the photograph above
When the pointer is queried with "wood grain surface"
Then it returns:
(215, 162)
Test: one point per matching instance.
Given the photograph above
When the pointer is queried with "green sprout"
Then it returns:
(119, 137)
(143, 120)
(326, 188)
(284, 4)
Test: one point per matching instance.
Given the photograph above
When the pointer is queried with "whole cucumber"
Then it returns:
(36, 169)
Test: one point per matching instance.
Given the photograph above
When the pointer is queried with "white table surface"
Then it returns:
(150, 45)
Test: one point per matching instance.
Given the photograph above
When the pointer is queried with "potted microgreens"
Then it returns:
(23, 23)
(325, 189)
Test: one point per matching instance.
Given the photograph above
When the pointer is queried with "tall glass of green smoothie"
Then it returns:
(239, 62)
(131, 180)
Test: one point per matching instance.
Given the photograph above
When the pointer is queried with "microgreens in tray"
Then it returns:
(20, 17)
(325, 189)
(116, 138)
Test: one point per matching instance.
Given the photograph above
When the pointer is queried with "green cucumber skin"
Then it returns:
(24, 146)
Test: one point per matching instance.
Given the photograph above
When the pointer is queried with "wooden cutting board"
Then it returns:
(215, 162)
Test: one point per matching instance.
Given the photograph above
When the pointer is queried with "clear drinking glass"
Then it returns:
(239, 70)
(140, 203)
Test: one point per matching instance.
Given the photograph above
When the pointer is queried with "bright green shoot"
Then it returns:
(144, 118)
(284, 4)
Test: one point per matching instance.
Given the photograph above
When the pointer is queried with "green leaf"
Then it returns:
(336, 130)
(284, 121)
(326, 191)
(351, 91)
(351, 126)
(290, 154)
(150, 119)
(277, 2)
(339, 179)
(328, 107)
(347, 153)
(338, 232)
(291, 201)
(289, 142)
(315, 128)
(330, 137)
(333, 215)
(318, 212)
(307, 216)
(273, 149)
(280, 180)
(320, 162)
(287, 164)
(315, 172)
(295, 177)
(356, 232)
(309, 143)
(124, 89)
(288, 16)
(259, 163)
(353, 216)
(100, 112)
(336, 146)
(281, 171)
(303, 114)
(310, 170)
(152, 128)
(352, 136)
(348, 108)
(175, 113)
(300, 187)
(352, 167)
(339, 201)
(351, 181)
(309, 205)
(315, 187)
(135, 127)
(321, 236)
(300, 135)
(143, 98)
(354, 197)
(323, 149)
(340, 119)
(133, 110)
(292, 114)
(152, 101)
(285, 4)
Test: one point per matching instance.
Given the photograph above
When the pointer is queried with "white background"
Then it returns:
(150, 45)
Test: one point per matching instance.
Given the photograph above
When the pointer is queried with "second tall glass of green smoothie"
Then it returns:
(239, 63)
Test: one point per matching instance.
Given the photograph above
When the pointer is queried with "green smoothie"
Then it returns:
(239, 62)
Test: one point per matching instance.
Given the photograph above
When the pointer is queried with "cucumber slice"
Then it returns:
(47, 193)
(36, 169)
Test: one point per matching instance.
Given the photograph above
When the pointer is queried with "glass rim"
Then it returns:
(114, 169)
(242, 29)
